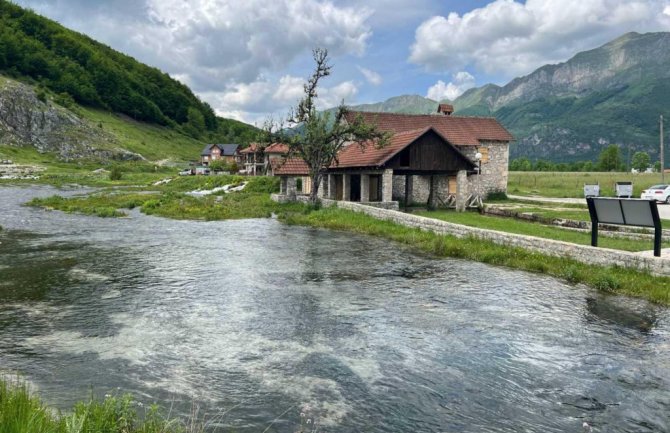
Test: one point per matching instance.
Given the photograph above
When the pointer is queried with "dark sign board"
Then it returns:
(627, 212)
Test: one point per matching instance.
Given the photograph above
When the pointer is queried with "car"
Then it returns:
(186, 172)
(657, 192)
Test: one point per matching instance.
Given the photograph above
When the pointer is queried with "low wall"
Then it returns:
(581, 253)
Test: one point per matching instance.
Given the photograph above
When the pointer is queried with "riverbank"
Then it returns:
(21, 411)
(610, 279)
(172, 200)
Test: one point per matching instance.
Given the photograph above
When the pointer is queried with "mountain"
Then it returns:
(65, 74)
(570, 111)
(407, 104)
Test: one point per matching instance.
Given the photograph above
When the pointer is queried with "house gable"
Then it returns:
(429, 153)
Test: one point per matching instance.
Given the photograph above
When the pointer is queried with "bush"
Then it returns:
(497, 196)
(115, 173)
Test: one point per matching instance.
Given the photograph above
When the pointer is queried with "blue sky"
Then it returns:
(248, 59)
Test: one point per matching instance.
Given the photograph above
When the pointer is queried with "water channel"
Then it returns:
(253, 320)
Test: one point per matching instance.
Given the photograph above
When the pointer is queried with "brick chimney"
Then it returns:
(445, 109)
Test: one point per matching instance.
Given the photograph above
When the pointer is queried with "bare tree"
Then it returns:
(316, 137)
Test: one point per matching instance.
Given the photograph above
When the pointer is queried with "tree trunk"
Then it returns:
(316, 183)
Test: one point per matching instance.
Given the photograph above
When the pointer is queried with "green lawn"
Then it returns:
(511, 225)
(560, 184)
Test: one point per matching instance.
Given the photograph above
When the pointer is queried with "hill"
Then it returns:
(75, 80)
(570, 111)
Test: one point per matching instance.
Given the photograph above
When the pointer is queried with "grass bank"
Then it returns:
(23, 412)
(511, 225)
(610, 279)
(170, 200)
(566, 184)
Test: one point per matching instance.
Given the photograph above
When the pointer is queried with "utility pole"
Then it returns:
(662, 156)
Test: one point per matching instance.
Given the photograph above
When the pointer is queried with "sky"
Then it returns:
(249, 58)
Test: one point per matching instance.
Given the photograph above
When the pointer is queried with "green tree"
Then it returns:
(610, 158)
(641, 161)
(195, 125)
(320, 137)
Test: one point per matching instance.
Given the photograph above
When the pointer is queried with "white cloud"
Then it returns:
(462, 81)
(371, 76)
(510, 37)
(254, 102)
(220, 41)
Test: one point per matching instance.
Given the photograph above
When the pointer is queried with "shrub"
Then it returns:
(115, 173)
(497, 196)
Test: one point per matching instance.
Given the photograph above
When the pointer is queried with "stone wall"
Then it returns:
(581, 253)
(494, 172)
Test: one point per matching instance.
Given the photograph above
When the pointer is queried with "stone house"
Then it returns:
(438, 160)
(216, 152)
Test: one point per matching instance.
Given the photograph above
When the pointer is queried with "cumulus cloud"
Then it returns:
(510, 37)
(462, 81)
(253, 102)
(371, 76)
(222, 49)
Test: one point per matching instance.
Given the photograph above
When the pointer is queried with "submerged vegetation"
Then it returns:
(23, 412)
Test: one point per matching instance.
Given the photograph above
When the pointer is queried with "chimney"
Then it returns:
(445, 109)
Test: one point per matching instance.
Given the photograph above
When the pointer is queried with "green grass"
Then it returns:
(102, 205)
(560, 184)
(610, 279)
(170, 201)
(151, 141)
(23, 412)
(511, 225)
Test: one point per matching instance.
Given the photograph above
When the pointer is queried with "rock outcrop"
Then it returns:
(26, 120)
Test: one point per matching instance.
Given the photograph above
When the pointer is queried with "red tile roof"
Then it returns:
(250, 149)
(457, 130)
(355, 155)
(445, 108)
(272, 148)
(289, 167)
(277, 148)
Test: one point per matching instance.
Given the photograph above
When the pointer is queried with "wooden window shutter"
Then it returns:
(485, 154)
(453, 185)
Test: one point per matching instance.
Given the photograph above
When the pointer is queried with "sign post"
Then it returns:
(625, 212)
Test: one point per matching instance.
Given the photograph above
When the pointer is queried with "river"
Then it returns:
(253, 321)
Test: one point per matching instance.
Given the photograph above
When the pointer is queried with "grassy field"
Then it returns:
(23, 412)
(528, 228)
(610, 279)
(560, 184)
(170, 200)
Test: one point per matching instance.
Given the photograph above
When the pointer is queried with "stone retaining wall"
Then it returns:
(581, 253)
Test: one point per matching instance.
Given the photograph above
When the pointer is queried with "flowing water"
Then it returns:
(253, 320)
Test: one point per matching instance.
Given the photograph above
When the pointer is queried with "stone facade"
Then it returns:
(494, 171)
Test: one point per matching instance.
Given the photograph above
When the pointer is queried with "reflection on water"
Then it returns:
(253, 318)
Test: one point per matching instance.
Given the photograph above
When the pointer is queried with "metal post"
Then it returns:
(594, 221)
(662, 156)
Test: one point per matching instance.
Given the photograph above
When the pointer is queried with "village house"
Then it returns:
(257, 161)
(437, 160)
(215, 152)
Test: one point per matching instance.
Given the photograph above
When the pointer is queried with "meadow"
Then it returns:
(571, 184)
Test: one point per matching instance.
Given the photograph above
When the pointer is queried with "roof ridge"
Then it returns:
(452, 116)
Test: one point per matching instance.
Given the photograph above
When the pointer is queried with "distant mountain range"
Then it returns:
(613, 94)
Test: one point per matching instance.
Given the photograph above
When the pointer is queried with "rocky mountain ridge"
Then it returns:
(570, 111)
(27, 120)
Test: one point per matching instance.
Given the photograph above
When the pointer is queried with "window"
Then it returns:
(404, 158)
